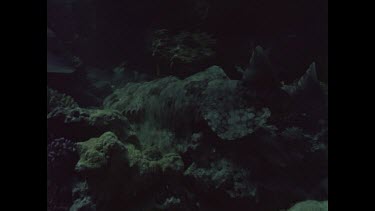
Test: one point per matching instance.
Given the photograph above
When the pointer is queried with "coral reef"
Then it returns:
(165, 144)
(117, 171)
(97, 153)
(151, 161)
(208, 95)
(66, 118)
(188, 105)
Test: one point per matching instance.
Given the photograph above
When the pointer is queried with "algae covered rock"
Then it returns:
(134, 97)
(310, 205)
(80, 124)
(98, 153)
(228, 113)
(169, 92)
(152, 161)
(102, 168)
(234, 123)
(168, 103)
(179, 104)
(116, 172)
(162, 142)
(66, 119)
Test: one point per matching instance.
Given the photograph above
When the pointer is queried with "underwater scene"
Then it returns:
(189, 105)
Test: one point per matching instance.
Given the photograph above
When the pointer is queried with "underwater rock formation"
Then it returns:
(116, 171)
(208, 95)
(65, 117)
(310, 205)
(259, 75)
(222, 174)
(164, 144)
(101, 166)
(97, 153)
(151, 161)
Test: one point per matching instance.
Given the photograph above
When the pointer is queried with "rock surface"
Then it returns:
(66, 118)
(165, 144)
(310, 205)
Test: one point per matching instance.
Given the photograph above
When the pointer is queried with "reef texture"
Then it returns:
(310, 205)
(208, 96)
(165, 144)
(66, 119)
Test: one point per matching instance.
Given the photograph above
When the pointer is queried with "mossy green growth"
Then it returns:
(96, 153)
(151, 160)
(103, 115)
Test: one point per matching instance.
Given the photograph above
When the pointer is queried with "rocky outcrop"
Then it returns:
(234, 138)
(209, 95)
(165, 144)
(152, 161)
(116, 172)
(98, 153)
(66, 119)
